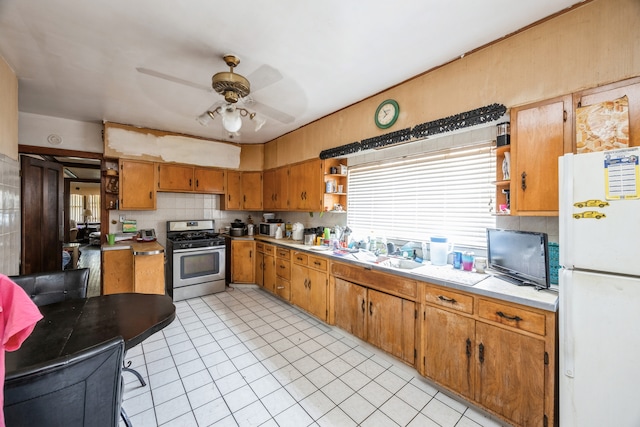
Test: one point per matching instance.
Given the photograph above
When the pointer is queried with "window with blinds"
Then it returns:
(447, 193)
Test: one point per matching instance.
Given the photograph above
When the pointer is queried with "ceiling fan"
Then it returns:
(236, 90)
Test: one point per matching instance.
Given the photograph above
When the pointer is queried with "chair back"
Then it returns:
(81, 389)
(55, 286)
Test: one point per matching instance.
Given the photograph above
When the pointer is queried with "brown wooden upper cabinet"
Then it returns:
(243, 191)
(306, 186)
(540, 133)
(276, 189)
(137, 185)
(185, 178)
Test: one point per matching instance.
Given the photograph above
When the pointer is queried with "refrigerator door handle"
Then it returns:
(566, 322)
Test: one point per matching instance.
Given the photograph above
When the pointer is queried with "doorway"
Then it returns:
(79, 225)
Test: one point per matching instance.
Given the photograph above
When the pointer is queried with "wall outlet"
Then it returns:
(122, 218)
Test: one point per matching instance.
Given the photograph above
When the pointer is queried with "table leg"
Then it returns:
(126, 367)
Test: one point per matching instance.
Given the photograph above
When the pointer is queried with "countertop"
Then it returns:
(486, 284)
(138, 248)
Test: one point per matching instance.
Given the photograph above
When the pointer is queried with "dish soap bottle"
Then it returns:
(279, 232)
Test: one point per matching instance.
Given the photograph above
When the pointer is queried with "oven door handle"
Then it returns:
(202, 249)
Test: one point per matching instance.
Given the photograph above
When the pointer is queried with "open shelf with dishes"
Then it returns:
(335, 185)
(111, 184)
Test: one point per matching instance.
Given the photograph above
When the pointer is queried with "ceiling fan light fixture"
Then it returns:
(205, 118)
(231, 120)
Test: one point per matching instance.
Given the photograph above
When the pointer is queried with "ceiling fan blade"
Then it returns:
(264, 76)
(271, 112)
(173, 79)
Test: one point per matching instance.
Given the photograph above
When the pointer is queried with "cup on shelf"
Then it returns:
(340, 188)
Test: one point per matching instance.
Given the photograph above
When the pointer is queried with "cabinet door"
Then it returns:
(137, 185)
(299, 282)
(149, 274)
(391, 323)
(242, 261)
(538, 135)
(269, 272)
(297, 186)
(448, 350)
(510, 375)
(269, 190)
(259, 265)
(233, 197)
(175, 177)
(209, 180)
(252, 190)
(313, 186)
(282, 188)
(317, 290)
(350, 307)
(117, 271)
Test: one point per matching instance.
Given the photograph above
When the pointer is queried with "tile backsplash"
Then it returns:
(10, 221)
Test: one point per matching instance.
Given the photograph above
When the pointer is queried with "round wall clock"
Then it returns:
(387, 114)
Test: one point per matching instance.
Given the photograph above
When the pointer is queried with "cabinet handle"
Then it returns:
(197, 183)
(279, 287)
(317, 263)
(481, 353)
(468, 350)
(507, 317)
(302, 195)
(363, 306)
(309, 284)
(150, 195)
(244, 198)
(282, 266)
(299, 258)
(250, 254)
(305, 282)
(447, 299)
(523, 181)
(190, 180)
(370, 308)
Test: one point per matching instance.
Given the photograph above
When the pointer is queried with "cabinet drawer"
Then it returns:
(377, 280)
(260, 247)
(269, 249)
(283, 268)
(300, 258)
(283, 288)
(447, 298)
(509, 315)
(283, 253)
(318, 263)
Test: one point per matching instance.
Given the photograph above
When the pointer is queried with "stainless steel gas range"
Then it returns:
(195, 259)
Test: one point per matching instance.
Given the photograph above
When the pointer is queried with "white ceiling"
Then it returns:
(149, 62)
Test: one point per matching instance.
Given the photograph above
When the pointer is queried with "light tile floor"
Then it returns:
(245, 358)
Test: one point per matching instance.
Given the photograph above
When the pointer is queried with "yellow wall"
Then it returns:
(592, 45)
(8, 111)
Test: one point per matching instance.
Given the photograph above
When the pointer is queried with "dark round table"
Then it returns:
(73, 325)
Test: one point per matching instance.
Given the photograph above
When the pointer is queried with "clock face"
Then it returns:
(387, 114)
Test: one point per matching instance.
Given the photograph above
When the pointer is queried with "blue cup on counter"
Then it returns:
(457, 259)
(467, 261)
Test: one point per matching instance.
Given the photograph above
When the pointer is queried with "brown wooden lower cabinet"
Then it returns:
(494, 353)
(243, 254)
(309, 284)
(384, 320)
(123, 271)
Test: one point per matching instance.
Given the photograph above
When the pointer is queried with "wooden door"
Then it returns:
(317, 289)
(299, 281)
(209, 180)
(175, 177)
(510, 374)
(259, 265)
(42, 190)
(313, 186)
(252, 190)
(242, 261)
(269, 272)
(350, 307)
(449, 345)
(297, 187)
(233, 196)
(538, 140)
(137, 185)
(282, 188)
(269, 189)
(386, 323)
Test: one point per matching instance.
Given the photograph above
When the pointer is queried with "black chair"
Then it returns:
(54, 286)
(82, 389)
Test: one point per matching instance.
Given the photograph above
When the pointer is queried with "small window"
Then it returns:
(447, 193)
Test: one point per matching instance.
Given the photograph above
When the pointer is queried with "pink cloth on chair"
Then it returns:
(19, 317)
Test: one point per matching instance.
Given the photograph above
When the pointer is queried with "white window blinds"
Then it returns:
(437, 194)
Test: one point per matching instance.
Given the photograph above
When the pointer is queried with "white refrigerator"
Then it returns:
(599, 306)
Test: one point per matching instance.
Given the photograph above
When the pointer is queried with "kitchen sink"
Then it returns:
(400, 263)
